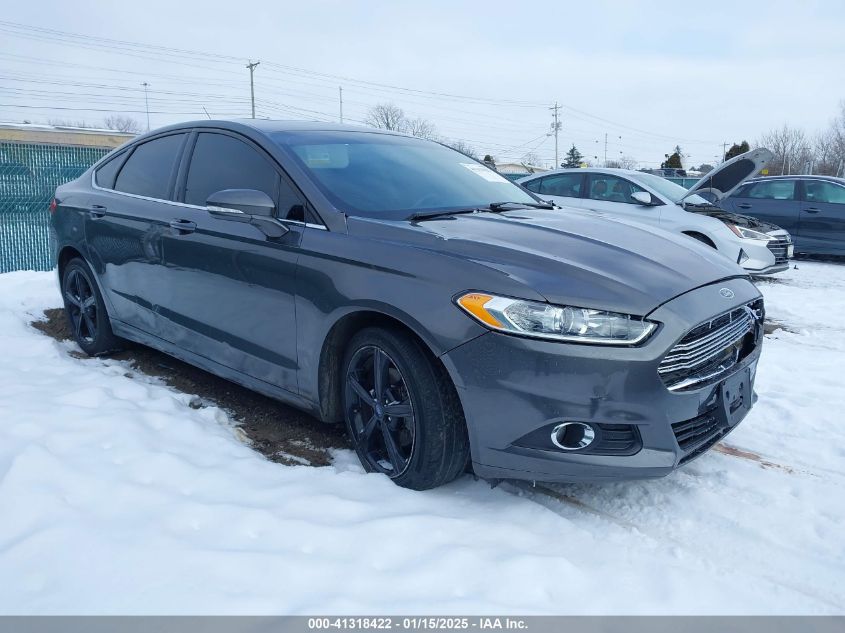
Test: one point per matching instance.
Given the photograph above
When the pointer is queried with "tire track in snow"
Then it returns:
(552, 499)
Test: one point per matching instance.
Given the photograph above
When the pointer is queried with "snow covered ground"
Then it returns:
(116, 497)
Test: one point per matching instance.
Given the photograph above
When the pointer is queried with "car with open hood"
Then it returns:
(447, 317)
(811, 207)
(759, 247)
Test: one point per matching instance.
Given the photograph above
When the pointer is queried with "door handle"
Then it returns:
(183, 227)
(744, 205)
(97, 211)
(811, 210)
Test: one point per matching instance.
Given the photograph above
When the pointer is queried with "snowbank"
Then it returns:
(116, 497)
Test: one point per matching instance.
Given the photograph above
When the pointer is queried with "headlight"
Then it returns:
(558, 323)
(748, 234)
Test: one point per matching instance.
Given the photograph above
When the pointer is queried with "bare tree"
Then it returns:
(836, 135)
(68, 123)
(628, 162)
(790, 148)
(531, 158)
(825, 155)
(419, 127)
(386, 116)
(121, 124)
(462, 147)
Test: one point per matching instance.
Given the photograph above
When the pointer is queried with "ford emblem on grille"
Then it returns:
(727, 293)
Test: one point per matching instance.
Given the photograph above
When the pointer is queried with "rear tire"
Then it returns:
(402, 411)
(86, 313)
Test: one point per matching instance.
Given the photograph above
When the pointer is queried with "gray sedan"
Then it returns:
(446, 316)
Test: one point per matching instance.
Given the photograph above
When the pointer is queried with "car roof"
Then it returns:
(265, 127)
(585, 170)
(840, 181)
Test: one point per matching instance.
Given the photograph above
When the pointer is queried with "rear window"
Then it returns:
(149, 169)
(105, 175)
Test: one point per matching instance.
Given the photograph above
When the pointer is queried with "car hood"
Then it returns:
(568, 256)
(723, 180)
(745, 221)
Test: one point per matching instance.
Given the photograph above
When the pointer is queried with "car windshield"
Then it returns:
(668, 189)
(395, 177)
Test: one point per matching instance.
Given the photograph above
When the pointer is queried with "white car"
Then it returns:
(759, 247)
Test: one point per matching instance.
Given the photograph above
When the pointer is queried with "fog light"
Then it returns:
(573, 436)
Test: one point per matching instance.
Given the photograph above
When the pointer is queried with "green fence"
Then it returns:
(29, 175)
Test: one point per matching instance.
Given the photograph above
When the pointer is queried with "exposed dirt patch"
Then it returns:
(279, 432)
(733, 451)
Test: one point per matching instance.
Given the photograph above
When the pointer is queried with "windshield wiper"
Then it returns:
(499, 206)
(430, 215)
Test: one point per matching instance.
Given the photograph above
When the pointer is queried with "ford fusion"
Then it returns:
(448, 317)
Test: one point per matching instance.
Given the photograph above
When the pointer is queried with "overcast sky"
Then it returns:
(649, 75)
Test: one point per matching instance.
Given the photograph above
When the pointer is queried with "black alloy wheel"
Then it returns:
(81, 306)
(380, 411)
(86, 312)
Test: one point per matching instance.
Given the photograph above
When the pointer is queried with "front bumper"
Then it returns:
(766, 258)
(515, 390)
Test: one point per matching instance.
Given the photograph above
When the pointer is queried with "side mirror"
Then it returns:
(643, 197)
(246, 205)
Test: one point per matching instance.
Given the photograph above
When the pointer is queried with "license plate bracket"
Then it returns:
(736, 397)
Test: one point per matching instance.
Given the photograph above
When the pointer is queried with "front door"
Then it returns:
(773, 201)
(232, 288)
(821, 228)
(611, 195)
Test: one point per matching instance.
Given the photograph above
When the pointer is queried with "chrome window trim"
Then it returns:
(94, 184)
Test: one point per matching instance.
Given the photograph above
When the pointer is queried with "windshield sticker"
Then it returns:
(487, 174)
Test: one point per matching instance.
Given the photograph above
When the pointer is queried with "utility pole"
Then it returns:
(724, 151)
(556, 130)
(251, 65)
(605, 149)
(340, 94)
(147, 104)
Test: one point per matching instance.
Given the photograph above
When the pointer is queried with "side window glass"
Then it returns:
(820, 191)
(534, 185)
(566, 185)
(148, 170)
(772, 190)
(105, 175)
(223, 162)
(612, 189)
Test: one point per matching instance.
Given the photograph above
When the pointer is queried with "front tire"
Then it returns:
(401, 410)
(86, 313)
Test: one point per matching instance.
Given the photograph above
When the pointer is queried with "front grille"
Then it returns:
(712, 348)
(697, 435)
(779, 248)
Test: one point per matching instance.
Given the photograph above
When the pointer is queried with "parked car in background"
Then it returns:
(388, 282)
(759, 247)
(811, 208)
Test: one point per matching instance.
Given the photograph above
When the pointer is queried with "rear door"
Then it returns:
(611, 195)
(129, 210)
(563, 189)
(232, 288)
(773, 201)
(821, 228)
